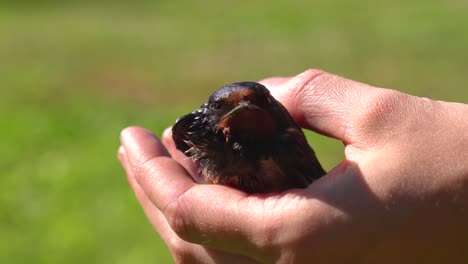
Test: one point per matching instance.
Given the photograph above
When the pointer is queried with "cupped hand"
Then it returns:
(400, 195)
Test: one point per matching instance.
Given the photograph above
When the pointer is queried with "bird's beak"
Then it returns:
(239, 108)
(247, 120)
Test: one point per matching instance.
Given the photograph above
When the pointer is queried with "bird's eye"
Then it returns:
(263, 100)
(216, 106)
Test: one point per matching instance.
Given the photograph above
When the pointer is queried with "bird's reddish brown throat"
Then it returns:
(247, 120)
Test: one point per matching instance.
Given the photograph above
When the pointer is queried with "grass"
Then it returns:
(73, 75)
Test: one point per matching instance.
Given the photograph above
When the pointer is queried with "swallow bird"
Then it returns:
(245, 138)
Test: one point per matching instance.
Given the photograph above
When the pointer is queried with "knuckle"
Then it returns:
(180, 250)
(317, 93)
(382, 106)
(267, 227)
(267, 236)
(309, 80)
(314, 83)
(145, 170)
(384, 115)
(178, 218)
(141, 171)
(309, 75)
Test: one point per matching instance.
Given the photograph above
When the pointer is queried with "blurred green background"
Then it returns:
(72, 75)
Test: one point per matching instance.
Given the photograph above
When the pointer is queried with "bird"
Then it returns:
(244, 138)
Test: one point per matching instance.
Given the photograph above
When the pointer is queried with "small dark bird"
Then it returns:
(245, 138)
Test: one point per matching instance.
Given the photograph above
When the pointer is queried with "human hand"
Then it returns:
(400, 195)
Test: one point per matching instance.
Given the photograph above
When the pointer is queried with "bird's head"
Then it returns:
(243, 111)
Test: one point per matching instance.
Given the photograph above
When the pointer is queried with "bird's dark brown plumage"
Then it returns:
(245, 138)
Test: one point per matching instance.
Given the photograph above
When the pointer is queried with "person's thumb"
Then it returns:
(333, 105)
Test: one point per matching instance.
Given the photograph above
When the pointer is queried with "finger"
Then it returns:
(145, 145)
(121, 156)
(274, 81)
(325, 102)
(182, 251)
(151, 211)
(146, 155)
(180, 157)
(210, 215)
(214, 215)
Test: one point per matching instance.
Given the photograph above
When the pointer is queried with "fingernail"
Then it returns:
(274, 81)
(122, 156)
(167, 132)
(125, 133)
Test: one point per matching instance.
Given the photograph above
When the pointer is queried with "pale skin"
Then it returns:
(400, 195)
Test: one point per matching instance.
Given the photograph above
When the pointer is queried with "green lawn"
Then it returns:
(73, 75)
